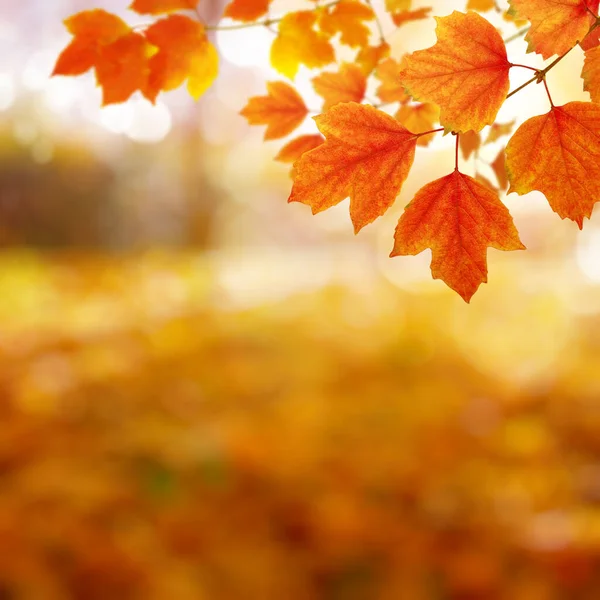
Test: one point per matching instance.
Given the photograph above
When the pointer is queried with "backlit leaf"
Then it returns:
(104, 42)
(367, 156)
(419, 118)
(184, 53)
(157, 7)
(559, 154)
(92, 30)
(410, 15)
(591, 40)
(499, 168)
(556, 25)
(391, 88)
(469, 142)
(370, 56)
(122, 68)
(395, 6)
(282, 110)
(347, 85)
(347, 18)
(247, 10)
(498, 130)
(481, 5)
(465, 72)
(298, 43)
(293, 150)
(458, 218)
(591, 73)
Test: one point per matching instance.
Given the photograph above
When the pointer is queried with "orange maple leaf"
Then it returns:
(123, 68)
(349, 84)
(157, 7)
(391, 88)
(591, 40)
(408, 16)
(369, 57)
(497, 130)
(104, 42)
(465, 73)
(294, 149)
(499, 168)
(367, 155)
(247, 10)
(298, 43)
(591, 73)
(419, 118)
(183, 53)
(481, 5)
(92, 29)
(458, 218)
(559, 154)
(556, 26)
(347, 17)
(281, 110)
(469, 142)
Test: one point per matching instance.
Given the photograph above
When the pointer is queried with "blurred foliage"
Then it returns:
(74, 198)
(158, 442)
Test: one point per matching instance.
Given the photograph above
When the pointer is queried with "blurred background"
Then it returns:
(207, 393)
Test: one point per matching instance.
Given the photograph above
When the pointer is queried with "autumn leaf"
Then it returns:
(391, 89)
(556, 26)
(498, 130)
(298, 43)
(347, 18)
(247, 10)
(469, 142)
(510, 17)
(481, 5)
(499, 167)
(367, 155)
(92, 30)
(419, 118)
(465, 72)
(559, 154)
(395, 6)
(183, 53)
(458, 218)
(347, 85)
(591, 40)
(410, 15)
(105, 42)
(294, 149)
(369, 57)
(282, 110)
(591, 73)
(122, 68)
(157, 7)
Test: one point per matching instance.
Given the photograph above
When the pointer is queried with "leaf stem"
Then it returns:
(517, 35)
(548, 92)
(263, 23)
(456, 152)
(428, 132)
(377, 22)
(541, 74)
(524, 67)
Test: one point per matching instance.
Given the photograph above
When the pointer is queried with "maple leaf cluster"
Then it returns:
(365, 153)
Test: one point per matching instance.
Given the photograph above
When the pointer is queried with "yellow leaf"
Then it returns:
(298, 43)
